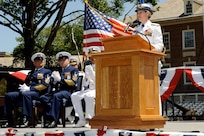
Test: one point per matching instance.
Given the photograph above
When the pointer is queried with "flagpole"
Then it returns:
(86, 1)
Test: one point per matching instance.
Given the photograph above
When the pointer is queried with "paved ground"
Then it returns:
(183, 126)
(170, 126)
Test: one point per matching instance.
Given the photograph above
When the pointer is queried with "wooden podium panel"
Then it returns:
(127, 90)
(122, 43)
(127, 85)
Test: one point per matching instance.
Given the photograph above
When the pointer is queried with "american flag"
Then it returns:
(97, 25)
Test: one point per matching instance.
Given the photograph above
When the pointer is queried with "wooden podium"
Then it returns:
(127, 85)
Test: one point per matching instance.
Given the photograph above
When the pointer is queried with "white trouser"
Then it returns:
(90, 101)
(89, 97)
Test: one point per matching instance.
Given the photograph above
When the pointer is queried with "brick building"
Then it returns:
(182, 23)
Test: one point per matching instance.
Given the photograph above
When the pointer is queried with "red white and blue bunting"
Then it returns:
(21, 74)
(99, 132)
(169, 79)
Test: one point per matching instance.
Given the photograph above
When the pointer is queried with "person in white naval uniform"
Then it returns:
(151, 32)
(88, 93)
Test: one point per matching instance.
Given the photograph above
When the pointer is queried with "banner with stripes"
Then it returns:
(97, 25)
(170, 77)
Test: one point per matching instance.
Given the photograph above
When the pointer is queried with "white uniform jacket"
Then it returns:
(151, 32)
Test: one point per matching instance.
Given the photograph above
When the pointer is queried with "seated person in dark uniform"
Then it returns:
(65, 82)
(36, 84)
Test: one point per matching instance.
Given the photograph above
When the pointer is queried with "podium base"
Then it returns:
(128, 122)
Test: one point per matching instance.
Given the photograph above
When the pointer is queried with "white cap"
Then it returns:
(73, 61)
(38, 55)
(63, 54)
(94, 50)
(145, 6)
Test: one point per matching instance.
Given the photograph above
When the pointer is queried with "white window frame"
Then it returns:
(184, 32)
(188, 64)
(168, 38)
(187, 9)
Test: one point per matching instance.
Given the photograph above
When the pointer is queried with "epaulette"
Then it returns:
(155, 24)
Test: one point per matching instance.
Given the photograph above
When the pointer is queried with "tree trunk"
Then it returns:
(28, 32)
(28, 51)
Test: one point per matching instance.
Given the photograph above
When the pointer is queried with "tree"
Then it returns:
(62, 42)
(30, 17)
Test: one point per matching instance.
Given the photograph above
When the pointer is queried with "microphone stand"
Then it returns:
(133, 24)
(137, 32)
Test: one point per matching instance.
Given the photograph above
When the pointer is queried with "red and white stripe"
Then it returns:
(173, 75)
(21, 74)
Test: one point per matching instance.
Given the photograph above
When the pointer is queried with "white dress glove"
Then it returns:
(89, 72)
(56, 76)
(24, 88)
(90, 76)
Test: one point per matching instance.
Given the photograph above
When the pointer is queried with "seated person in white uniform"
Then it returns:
(88, 94)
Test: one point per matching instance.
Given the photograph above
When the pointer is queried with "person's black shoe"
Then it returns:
(7, 125)
(53, 124)
(26, 123)
(46, 125)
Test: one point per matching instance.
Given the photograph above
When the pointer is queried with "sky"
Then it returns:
(8, 37)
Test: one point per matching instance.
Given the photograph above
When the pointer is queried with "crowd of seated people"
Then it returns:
(50, 88)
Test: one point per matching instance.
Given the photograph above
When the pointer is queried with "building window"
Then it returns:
(188, 64)
(166, 40)
(188, 39)
(189, 8)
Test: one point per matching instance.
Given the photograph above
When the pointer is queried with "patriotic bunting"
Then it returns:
(125, 133)
(169, 79)
(94, 132)
(21, 74)
(196, 76)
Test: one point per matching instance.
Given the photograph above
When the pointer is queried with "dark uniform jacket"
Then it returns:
(69, 77)
(39, 80)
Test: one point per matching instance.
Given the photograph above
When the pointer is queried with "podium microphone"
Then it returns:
(126, 28)
(131, 24)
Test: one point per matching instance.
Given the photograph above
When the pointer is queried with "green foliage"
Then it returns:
(62, 42)
(17, 8)
(1, 2)
(154, 2)
(113, 8)
(29, 18)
